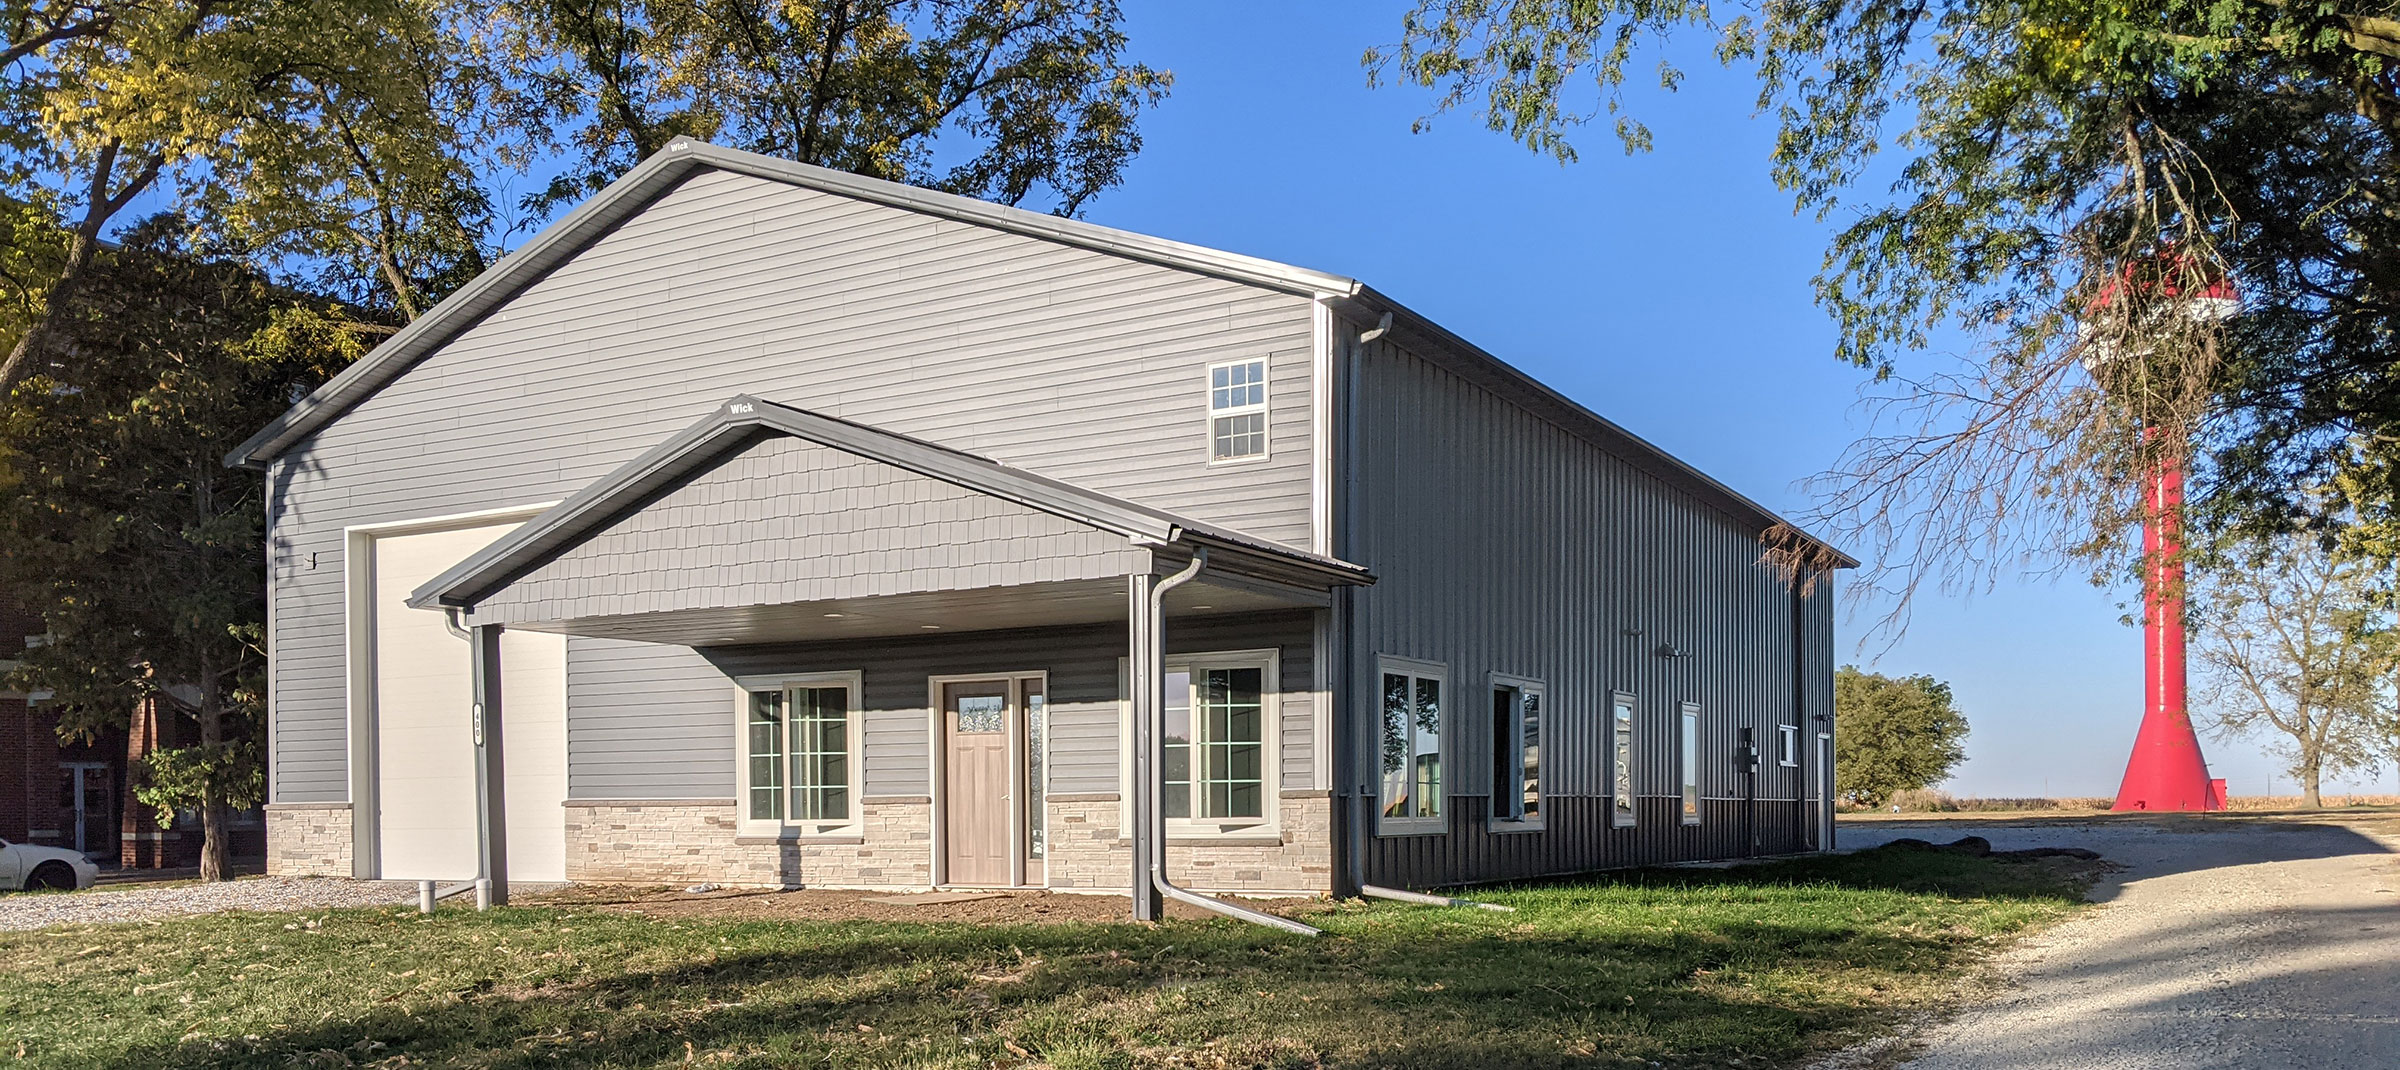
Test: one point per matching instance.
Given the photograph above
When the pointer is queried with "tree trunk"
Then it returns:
(2310, 773)
(214, 852)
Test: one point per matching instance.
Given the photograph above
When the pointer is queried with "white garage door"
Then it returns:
(424, 742)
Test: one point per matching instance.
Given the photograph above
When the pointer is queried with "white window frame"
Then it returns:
(1507, 805)
(1388, 665)
(1269, 823)
(853, 732)
(1624, 759)
(1787, 746)
(1262, 409)
(1687, 756)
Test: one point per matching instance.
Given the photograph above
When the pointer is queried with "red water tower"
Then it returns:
(2166, 770)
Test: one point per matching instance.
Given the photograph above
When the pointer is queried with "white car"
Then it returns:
(25, 867)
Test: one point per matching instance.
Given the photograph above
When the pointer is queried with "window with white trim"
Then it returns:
(1690, 753)
(1237, 411)
(1787, 745)
(1215, 762)
(1620, 740)
(1517, 750)
(800, 754)
(1413, 728)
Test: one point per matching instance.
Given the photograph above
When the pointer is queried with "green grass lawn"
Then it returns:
(1747, 967)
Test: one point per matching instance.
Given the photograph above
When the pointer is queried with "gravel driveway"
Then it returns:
(139, 903)
(2224, 945)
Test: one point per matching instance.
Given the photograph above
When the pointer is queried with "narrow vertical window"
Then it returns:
(1037, 773)
(820, 754)
(1691, 763)
(1395, 745)
(1429, 747)
(766, 755)
(1175, 768)
(1517, 749)
(1237, 410)
(1413, 728)
(1233, 724)
(1621, 749)
(1787, 746)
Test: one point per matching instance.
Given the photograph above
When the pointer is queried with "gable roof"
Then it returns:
(663, 170)
(740, 419)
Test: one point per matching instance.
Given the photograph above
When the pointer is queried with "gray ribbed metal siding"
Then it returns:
(1507, 544)
(629, 742)
(787, 520)
(1072, 363)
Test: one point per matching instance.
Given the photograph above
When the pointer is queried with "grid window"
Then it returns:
(1233, 743)
(1621, 746)
(1412, 729)
(821, 754)
(1215, 743)
(1237, 410)
(766, 755)
(799, 743)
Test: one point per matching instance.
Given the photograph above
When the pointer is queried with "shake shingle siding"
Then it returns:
(787, 520)
(1505, 543)
(1079, 365)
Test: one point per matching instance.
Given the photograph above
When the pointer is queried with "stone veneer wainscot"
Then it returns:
(308, 839)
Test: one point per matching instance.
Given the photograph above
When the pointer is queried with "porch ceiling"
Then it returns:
(983, 609)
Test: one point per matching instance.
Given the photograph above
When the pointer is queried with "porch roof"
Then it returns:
(1249, 569)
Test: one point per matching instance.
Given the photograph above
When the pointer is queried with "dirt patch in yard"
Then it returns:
(993, 908)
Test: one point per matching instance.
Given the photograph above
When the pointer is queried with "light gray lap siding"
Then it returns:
(786, 520)
(1072, 363)
(1085, 699)
(646, 721)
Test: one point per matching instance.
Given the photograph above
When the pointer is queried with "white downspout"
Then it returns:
(1155, 678)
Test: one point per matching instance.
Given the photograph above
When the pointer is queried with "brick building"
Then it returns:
(79, 794)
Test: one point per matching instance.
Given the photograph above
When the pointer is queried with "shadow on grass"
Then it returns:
(1954, 874)
(1644, 977)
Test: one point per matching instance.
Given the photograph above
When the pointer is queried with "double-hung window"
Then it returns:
(1690, 752)
(1620, 742)
(1237, 411)
(1412, 731)
(1219, 741)
(1517, 752)
(800, 766)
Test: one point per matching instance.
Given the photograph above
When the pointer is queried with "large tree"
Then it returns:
(999, 99)
(119, 520)
(1899, 733)
(2297, 643)
(323, 136)
(2069, 176)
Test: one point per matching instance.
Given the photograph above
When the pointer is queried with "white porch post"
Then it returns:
(491, 779)
(1143, 667)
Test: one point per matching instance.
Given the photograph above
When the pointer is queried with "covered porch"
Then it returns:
(934, 663)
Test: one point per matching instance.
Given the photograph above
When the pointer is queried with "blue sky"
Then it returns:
(1667, 291)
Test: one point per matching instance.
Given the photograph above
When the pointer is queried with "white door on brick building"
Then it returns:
(424, 743)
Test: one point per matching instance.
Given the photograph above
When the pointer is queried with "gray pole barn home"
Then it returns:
(761, 524)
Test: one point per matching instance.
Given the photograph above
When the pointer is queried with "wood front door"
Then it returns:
(976, 719)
